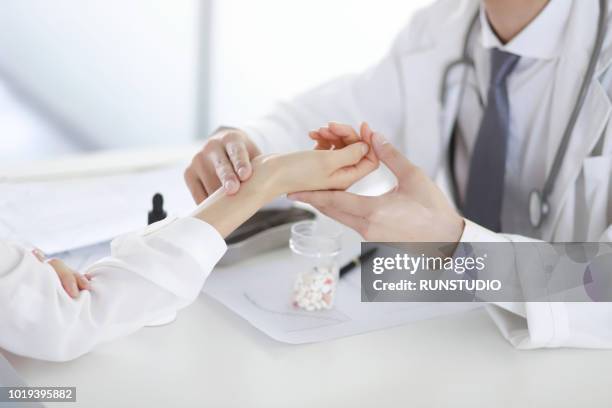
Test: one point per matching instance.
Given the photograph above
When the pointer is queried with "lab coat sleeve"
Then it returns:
(532, 325)
(150, 275)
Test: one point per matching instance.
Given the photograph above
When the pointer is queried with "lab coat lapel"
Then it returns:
(423, 110)
(595, 111)
(422, 70)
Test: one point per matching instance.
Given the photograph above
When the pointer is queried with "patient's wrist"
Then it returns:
(226, 213)
(259, 191)
(267, 177)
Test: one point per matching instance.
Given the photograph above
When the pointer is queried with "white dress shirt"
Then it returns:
(530, 93)
(149, 275)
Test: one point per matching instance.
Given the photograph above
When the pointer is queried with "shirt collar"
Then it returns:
(541, 39)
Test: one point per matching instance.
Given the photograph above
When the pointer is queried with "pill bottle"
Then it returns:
(316, 247)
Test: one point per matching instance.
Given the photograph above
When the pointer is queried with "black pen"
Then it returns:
(357, 261)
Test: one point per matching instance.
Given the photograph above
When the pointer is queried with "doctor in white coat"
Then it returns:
(434, 115)
(154, 272)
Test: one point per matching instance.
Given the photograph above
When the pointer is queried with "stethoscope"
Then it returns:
(539, 207)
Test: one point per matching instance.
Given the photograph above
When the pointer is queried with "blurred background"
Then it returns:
(113, 74)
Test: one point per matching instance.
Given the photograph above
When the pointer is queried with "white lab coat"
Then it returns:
(400, 97)
(150, 275)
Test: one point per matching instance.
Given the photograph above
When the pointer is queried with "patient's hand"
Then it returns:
(72, 281)
(335, 164)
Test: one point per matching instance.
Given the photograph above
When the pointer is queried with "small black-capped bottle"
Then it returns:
(157, 213)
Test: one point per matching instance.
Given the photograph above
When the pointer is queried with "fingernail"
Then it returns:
(39, 254)
(85, 284)
(243, 172)
(364, 148)
(230, 186)
(379, 140)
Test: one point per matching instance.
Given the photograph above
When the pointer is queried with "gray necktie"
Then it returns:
(485, 189)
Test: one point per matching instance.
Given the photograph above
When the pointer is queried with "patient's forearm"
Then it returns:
(226, 213)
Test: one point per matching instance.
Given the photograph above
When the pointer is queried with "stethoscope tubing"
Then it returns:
(541, 196)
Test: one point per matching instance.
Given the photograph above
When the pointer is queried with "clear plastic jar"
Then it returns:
(315, 248)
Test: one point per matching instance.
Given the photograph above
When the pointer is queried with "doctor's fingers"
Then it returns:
(348, 203)
(367, 135)
(72, 282)
(225, 173)
(200, 176)
(195, 185)
(239, 156)
(214, 169)
(399, 165)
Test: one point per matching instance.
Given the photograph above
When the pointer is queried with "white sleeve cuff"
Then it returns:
(473, 232)
(197, 238)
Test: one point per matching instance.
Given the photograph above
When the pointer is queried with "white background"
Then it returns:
(149, 72)
(121, 72)
(269, 49)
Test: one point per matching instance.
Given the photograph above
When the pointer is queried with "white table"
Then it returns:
(210, 357)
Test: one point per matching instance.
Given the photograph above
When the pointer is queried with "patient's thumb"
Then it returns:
(351, 154)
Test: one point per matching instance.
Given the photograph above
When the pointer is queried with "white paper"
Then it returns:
(259, 290)
(66, 214)
(62, 215)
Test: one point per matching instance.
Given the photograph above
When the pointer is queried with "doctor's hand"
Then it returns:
(72, 282)
(414, 211)
(224, 161)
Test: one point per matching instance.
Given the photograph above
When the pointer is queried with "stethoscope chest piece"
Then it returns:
(538, 208)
